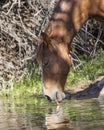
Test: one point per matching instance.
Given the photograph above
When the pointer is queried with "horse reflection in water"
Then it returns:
(56, 119)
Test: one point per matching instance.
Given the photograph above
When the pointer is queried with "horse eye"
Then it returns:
(46, 63)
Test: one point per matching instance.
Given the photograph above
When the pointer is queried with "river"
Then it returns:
(35, 113)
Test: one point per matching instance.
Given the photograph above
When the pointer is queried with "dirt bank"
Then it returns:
(94, 90)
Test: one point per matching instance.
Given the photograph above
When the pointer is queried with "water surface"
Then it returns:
(38, 114)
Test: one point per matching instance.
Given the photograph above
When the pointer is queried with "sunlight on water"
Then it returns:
(38, 114)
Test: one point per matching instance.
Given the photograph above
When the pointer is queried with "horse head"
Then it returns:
(55, 63)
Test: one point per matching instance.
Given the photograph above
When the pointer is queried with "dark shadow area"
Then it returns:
(94, 90)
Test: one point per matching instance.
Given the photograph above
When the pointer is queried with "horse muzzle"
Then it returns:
(54, 95)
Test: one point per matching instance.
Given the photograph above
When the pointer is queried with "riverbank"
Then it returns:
(94, 89)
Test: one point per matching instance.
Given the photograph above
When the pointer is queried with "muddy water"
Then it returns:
(38, 114)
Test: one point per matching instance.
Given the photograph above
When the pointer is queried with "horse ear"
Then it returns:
(46, 39)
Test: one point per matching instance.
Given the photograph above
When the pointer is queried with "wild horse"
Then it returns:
(53, 52)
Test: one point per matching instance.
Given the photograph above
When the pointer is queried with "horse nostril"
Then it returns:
(48, 98)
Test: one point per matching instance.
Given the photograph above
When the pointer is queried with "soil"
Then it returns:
(94, 90)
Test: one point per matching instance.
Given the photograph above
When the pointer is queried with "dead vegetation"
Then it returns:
(20, 22)
(23, 20)
(88, 42)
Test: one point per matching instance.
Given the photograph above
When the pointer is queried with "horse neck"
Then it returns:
(69, 16)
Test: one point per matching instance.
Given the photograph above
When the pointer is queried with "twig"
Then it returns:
(15, 2)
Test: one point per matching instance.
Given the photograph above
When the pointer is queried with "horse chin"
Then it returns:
(54, 94)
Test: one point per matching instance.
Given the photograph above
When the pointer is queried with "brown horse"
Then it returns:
(53, 52)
